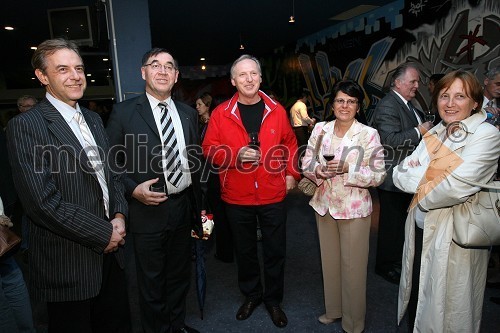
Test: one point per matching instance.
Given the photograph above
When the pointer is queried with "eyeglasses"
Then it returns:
(156, 66)
(349, 101)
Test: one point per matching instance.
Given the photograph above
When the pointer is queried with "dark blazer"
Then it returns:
(63, 200)
(135, 139)
(395, 124)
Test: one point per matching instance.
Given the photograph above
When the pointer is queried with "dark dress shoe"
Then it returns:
(185, 329)
(247, 308)
(391, 275)
(277, 315)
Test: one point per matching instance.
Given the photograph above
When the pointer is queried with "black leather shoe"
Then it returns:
(391, 275)
(247, 308)
(277, 315)
(185, 329)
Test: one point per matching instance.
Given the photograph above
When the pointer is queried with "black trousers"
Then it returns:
(412, 303)
(163, 261)
(272, 219)
(391, 228)
(107, 312)
(223, 237)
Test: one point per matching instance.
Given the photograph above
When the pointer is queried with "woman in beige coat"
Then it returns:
(442, 284)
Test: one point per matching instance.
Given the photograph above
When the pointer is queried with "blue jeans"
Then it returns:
(15, 307)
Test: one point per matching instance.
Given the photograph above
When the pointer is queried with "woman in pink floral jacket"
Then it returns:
(343, 204)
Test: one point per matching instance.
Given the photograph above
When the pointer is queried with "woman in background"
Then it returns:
(442, 284)
(204, 107)
(343, 204)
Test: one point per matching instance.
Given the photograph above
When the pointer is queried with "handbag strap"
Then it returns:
(473, 183)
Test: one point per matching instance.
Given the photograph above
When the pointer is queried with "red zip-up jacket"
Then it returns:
(245, 183)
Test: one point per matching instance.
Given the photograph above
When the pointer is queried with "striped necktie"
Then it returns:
(172, 159)
(94, 158)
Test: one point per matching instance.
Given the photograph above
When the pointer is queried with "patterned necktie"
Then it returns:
(94, 158)
(415, 111)
(172, 159)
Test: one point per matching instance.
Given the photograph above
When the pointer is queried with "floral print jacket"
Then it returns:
(346, 196)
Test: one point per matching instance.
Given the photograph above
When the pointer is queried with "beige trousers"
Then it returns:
(344, 258)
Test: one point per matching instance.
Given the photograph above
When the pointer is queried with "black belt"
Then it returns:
(179, 194)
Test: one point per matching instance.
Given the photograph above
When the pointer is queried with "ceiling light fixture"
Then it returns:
(203, 67)
(9, 28)
(33, 47)
(292, 18)
(202, 59)
(105, 59)
(241, 44)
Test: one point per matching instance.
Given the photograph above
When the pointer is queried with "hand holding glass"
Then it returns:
(157, 187)
(429, 116)
(254, 142)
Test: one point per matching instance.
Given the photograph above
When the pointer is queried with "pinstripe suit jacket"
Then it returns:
(133, 133)
(63, 200)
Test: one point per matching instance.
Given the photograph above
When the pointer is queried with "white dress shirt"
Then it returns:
(181, 142)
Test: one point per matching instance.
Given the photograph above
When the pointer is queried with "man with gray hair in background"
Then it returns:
(26, 102)
(491, 101)
(401, 126)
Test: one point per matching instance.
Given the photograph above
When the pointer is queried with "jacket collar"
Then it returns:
(231, 109)
(468, 126)
(352, 132)
(62, 131)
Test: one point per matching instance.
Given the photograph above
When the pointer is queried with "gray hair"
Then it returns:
(400, 71)
(245, 57)
(23, 98)
(492, 72)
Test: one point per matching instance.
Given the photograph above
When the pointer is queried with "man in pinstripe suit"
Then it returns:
(74, 202)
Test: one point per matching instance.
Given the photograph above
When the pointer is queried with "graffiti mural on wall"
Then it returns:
(459, 36)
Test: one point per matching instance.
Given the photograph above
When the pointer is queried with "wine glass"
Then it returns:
(254, 142)
(328, 155)
(429, 116)
(157, 187)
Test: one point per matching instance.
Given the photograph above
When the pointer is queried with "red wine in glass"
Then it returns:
(254, 140)
(328, 157)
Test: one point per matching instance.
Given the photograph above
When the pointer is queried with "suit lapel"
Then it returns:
(407, 113)
(61, 130)
(144, 109)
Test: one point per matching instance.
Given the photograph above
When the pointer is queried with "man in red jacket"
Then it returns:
(250, 138)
